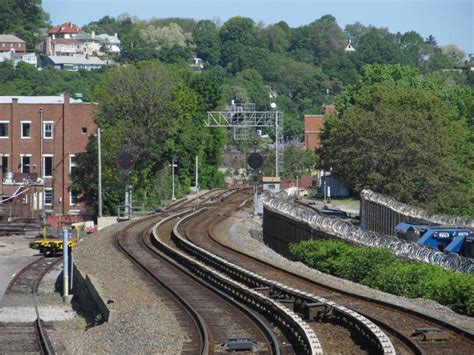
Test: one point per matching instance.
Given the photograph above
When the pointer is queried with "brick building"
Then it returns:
(11, 43)
(40, 137)
(313, 126)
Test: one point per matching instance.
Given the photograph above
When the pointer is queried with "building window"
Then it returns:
(4, 164)
(48, 130)
(4, 129)
(3, 45)
(25, 163)
(25, 129)
(72, 163)
(84, 130)
(73, 198)
(47, 165)
(48, 197)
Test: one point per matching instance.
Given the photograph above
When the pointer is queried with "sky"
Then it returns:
(449, 21)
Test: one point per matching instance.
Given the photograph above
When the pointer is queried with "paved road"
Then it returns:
(15, 253)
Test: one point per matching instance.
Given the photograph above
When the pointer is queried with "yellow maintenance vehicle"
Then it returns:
(50, 246)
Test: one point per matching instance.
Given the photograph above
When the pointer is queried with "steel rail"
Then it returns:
(196, 318)
(303, 332)
(158, 244)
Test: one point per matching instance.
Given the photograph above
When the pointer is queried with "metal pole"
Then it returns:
(197, 182)
(173, 197)
(297, 188)
(41, 144)
(255, 198)
(324, 184)
(276, 145)
(129, 187)
(197, 173)
(65, 265)
(99, 162)
(72, 269)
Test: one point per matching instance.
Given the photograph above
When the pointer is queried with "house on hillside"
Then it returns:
(61, 41)
(73, 63)
(11, 43)
(99, 45)
(29, 58)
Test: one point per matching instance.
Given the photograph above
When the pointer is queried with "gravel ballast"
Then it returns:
(243, 232)
(141, 323)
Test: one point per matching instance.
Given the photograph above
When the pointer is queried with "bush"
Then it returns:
(381, 269)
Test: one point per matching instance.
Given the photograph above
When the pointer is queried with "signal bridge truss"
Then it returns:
(243, 117)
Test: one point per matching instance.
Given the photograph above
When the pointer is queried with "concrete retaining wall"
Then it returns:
(88, 294)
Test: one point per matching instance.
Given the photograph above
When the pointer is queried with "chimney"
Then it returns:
(48, 46)
(66, 97)
(93, 34)
(14, 100)
(329, 110)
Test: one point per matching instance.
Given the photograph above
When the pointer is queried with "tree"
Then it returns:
(355, 32)
(323, 38)
(376, 47)
(278, 37)
(239, 30)
(166, 36)
(398, 137)
(208, 46)
(153, 106)
(413, 48)
(454, 53)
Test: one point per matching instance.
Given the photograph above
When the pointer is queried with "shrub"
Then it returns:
(380, 268)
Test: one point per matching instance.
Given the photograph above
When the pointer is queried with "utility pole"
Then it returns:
(99, 162)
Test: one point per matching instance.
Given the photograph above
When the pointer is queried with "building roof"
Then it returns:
(108, 38)
(67, 27)
(11, 38)
(84, 36)
(81, 60)
(37, 99)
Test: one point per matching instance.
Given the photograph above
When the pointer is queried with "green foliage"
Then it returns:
(406, 136)
(155, 107)
(383, 270)
(208, 46)
(27, 80)
(298, 162)
(239, 30)
(377, 47)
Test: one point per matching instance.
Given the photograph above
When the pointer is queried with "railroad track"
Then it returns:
(292, 335)
(207, 318)
(27, 337)
(398, 323)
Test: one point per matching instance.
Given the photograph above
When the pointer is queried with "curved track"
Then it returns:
(207, 318)
(26, 337)
(400, 324)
